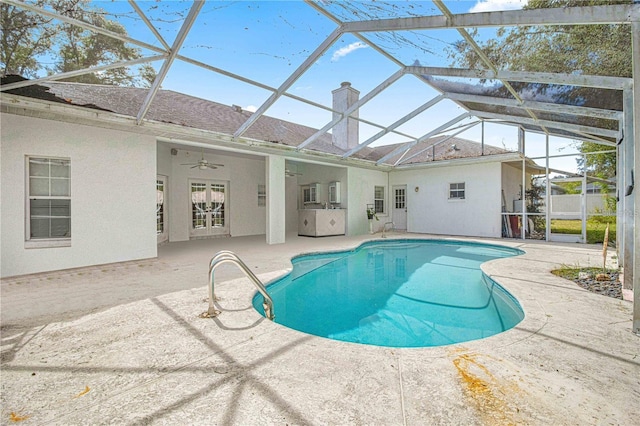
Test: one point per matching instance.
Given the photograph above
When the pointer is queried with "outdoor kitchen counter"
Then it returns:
(321, 222)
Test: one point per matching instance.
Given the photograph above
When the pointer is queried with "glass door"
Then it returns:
(161, 208)
(400, 207)
(208, 201)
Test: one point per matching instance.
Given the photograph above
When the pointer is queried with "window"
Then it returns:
(159, 206)
(378, 199)
(217, 205)
(310, 193)
(262, 195)
(48, 198)
(456, 191)
(400, 198)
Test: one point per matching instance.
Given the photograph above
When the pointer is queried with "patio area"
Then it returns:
(124, 344)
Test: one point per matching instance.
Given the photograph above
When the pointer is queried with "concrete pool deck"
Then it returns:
(124, 344)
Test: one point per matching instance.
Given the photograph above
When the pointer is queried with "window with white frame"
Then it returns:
(456, 191)
(262, 195)
(378, 199)
(48, 198)
(160, 206)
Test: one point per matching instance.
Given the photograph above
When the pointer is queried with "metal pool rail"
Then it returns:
(226, 256)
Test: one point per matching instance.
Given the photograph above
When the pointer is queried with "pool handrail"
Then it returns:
(225, 256)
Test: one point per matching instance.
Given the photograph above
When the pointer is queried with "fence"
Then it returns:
(569, 206)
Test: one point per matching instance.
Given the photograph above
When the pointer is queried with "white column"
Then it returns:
(276, 208)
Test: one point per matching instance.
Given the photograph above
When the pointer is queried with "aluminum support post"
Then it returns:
(547, 193)
(635, 36)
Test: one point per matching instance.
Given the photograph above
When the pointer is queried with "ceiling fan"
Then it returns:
(290, 173)
(203, 164)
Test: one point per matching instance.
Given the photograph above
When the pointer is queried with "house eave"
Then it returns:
(168, 132)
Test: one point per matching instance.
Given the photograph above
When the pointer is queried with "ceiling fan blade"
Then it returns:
(193, 167)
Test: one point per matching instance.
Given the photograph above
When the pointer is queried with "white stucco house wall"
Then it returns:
(112, 185)
(116, 174)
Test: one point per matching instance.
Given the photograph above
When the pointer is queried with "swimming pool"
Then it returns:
(396, 293)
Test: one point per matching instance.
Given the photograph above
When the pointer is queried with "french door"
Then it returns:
(161, 208)
(208, 204)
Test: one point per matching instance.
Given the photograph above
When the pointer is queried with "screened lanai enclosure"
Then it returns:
(425, 70)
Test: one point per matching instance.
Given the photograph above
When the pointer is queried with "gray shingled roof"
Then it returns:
(184, 110)
(189, 111)
(437, 149)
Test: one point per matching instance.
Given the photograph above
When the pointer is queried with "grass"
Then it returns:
(595, 228)
(597, 280)
(572, 272)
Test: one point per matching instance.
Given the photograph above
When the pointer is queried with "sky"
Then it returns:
(266, 41)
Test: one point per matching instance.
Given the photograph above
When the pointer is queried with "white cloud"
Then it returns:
(344, 51)
(497, 5)
(250, 108)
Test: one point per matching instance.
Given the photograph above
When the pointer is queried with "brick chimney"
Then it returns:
(345, 134)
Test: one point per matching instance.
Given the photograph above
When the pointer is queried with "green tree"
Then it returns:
(534, 200)
(601, 164)
(570, 187)
(27, 37)
(590, 49)
(586, 49)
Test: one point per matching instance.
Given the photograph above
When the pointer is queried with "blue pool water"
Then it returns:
(397, 293)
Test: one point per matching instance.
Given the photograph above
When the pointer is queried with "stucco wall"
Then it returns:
(361, 183)
(512, 184)
(431, 211)
(112, 194)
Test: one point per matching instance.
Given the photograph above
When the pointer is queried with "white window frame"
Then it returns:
(456, 191)
(43, 242)
(262, 195)
(379, 201)
(164, 235)
(310, 193)
(400, 202)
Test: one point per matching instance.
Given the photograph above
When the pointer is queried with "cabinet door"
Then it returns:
(334, 192)
(313, 194)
